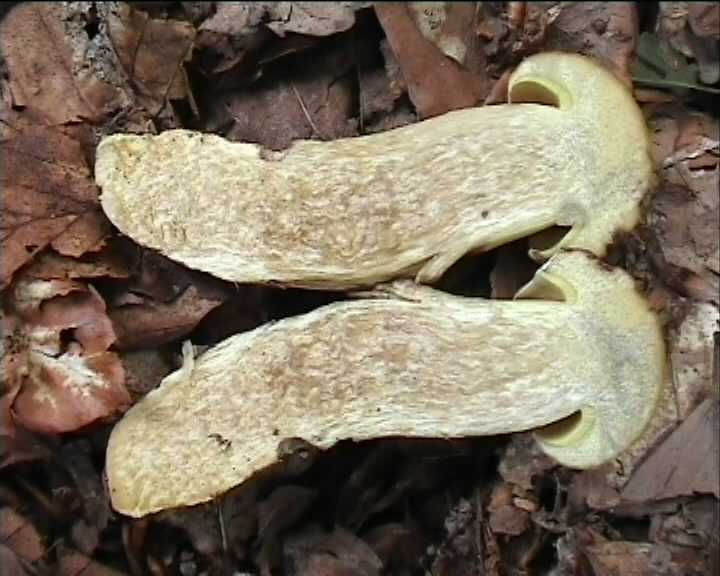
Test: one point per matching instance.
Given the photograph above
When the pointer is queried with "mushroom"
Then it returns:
(416, 362)
(359, 211)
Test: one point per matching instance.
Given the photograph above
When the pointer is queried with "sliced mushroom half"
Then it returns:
(408, 202)
(587, 359)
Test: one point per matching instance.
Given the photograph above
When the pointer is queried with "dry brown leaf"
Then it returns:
(692, 348)
(693, 30)
(282, 509)
(591, 489)
(61, 387)
(312, 18)
(505, 517)
(452, 27)
(48, 197)
(522, 461)
(245, 20)
(315, 102)
(397, 546)
(686, 463)
(91, 504)
(337, 553)
(685, 214)
(380, 92)
(49, 265)
(11, 563)
(151, 53)
(605, 30)
(77, 564)
(144, 369)
(18, 534)
(641, 559)
(150, 323)
(46, 75)
(436, 83)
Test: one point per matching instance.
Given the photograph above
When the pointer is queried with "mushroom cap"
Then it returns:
(621, 166)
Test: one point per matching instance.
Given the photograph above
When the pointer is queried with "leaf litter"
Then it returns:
(92, 322)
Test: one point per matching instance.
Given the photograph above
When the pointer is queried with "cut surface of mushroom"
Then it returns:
(408, 202)
(417, 363)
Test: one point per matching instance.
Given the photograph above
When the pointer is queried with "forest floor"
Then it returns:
(272, 73)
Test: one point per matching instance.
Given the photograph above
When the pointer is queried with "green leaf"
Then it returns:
(657, 64)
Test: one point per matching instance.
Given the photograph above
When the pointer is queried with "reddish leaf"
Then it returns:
(62, 388)
(41, 61)
(436, 83)
(48, 196)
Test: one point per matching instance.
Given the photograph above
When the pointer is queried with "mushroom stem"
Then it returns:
(417, 362)
(408, 202)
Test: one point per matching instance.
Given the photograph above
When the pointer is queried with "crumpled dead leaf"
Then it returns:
(60, 387)
(436, 83)
(49, 197)
(513, 30)
(237, 29)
